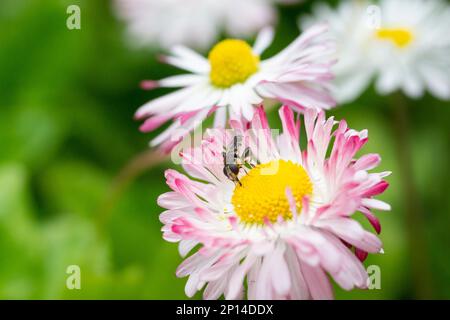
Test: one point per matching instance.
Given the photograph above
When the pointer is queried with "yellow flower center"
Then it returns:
(262, 194)
(232, 61)
(400, 37)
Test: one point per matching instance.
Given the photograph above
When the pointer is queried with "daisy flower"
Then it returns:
(288, 220)
(233, 80)
(403, 44)
(196, 23)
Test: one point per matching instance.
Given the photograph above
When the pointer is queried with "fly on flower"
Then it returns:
(234, 79)
(407, 49)
(234, 160)
(288, 223)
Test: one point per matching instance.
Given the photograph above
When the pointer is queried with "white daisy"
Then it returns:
(407, 49)
(233, 80)
(196, 23)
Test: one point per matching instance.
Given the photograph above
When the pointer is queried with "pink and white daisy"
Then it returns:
(287, 223)
(233, 80)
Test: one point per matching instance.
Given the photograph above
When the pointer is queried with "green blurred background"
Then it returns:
(67, 100)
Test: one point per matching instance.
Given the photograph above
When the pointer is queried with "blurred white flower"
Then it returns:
(404, 44)
(196, 23)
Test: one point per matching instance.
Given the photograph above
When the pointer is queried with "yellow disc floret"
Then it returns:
(232, 61)
(262, 192)
(400, 37)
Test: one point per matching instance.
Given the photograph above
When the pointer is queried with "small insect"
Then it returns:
(233, 162)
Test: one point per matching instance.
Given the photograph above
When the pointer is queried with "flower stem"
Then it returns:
(136, 166)
(422, 278)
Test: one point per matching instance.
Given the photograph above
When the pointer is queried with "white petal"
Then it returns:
(182, 80)
(376, 204)
(263, 41)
